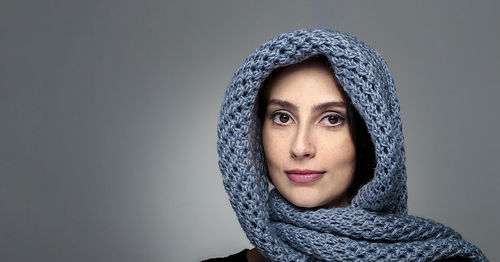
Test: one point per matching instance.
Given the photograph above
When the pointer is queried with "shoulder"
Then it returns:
(454, 259)
(238, 257)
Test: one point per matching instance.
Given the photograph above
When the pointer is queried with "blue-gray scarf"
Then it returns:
(375, 226)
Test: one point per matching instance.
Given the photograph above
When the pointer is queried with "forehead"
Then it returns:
(312, 82)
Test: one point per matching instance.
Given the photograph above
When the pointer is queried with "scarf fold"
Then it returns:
(349, 234)
(375, 226)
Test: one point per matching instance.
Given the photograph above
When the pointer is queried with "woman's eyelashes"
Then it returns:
(331, 119)
(281, 118)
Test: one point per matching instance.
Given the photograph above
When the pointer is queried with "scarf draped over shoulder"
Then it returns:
(375, 226)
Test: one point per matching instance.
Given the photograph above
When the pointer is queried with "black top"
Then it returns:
(238, 257)
(242, 257)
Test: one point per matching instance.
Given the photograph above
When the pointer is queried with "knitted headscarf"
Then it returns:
(375, 226)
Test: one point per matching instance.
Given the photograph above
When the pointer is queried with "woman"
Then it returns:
(315, 113)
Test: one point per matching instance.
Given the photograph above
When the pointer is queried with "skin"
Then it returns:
(296, 134)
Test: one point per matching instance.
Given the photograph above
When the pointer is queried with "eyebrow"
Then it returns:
(318, 107)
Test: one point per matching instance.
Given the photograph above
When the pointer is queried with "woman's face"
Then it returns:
(308, 146)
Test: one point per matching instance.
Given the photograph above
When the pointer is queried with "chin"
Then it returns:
(302, 203)
(314, 199)
(306, 204)
(305, 199)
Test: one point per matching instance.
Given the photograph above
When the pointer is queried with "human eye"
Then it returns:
(332, 119)
(281, 118)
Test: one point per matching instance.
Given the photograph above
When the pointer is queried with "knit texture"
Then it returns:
(375, 226)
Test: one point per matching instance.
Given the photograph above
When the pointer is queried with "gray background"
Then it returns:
(109, 109)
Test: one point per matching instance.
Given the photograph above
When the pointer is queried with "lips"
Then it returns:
(304, 175)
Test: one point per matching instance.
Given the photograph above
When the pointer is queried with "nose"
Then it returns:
(302, 146)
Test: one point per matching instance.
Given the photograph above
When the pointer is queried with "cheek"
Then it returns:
(274, 145)
(342, 149)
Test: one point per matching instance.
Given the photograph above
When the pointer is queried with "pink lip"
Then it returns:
(304, 175)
